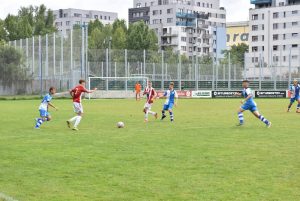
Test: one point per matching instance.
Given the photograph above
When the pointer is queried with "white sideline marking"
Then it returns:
(6, 198)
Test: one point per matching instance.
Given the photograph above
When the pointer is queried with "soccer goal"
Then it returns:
(115, 87)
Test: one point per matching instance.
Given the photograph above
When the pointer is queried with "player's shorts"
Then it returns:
(77, 107)
(295, 99)
(168, 106)
(148, 105)
(44, 113)
(251, 107)
(137, 91)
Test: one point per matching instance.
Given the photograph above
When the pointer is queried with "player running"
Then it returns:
(295, 96)
(249, 104)
(43, 109)
(137, 91)
(172, 98)
(151, 95)
(76, 94)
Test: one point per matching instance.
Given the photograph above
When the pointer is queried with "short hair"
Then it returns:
(81, 81)
(247, 81)
(51, 89)
(172, 83)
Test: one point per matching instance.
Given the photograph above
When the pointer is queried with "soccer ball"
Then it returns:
(120, 124)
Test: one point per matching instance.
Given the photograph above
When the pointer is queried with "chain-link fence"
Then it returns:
(61, 60)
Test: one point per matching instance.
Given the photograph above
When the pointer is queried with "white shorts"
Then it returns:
(148, 105)
(77, 107)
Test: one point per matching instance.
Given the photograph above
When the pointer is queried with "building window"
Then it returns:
(275, 15)
(281, 3)
(155, 12)
(254, 27)
(87, 16)
(183, 39)
(101, 17)
(262, 38)
(169, 11)
(294, 46)
(275, 37)
(138, 5)
(78, 23)
(65, 14)
(275, 47)
(263, 27)
(284, 25)
(105, 18)
(283, 37)
(294, 35)
(294, 57)
(169, 20)
(275, 26)
(68, 23)
(294, 12)
(294, 23)
(254, 49)
(96, 16)
(183, 48)
(254, 38)
(275, 59)
(255, 17)
(263, 16)
(77, 15)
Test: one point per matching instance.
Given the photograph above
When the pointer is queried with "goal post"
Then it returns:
(114, 87)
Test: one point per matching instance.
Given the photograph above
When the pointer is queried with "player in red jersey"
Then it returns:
(76, 94)
(151, 95)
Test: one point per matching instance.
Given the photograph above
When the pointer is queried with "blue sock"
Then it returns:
(241, 117)
(39, 122)
(171, 116)
(263, 119)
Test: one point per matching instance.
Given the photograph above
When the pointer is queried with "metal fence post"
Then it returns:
(180, 67)
(260, 70)
(40, 66)
(126, 71)
(61, 54)
(82, 52)
(290, 67)
(47, 57)
(229, 71)
(162, 70)
(106, 69)
(144, 63)
(27, 54)
(54, 56)
(33, 59)
(196, 73)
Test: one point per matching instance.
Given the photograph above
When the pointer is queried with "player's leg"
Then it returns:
(146, 111)
(171, 112)
(43, 117)
(261, 117)
(292, 100)
(298, 105)
(165, 108)
(241, 115)
(136, 95)
(79, 116)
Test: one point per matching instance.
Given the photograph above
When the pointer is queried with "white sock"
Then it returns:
(78, 119)
(153, 113)
(146, 114)
(73, 119)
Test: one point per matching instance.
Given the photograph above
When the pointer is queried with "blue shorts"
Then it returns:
(44, 113)
(296, 98)
(168, 106)
(251, 107)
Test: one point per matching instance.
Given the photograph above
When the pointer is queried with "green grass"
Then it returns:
(202, 156)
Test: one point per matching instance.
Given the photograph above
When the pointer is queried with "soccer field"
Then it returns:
(201, 156)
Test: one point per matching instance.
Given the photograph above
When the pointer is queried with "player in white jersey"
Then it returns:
(151, 95)
(43, 109)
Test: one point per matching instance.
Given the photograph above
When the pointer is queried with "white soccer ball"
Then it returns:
(120, 124)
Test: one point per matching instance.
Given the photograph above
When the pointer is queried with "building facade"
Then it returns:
(65, 19)
(237, 32)
(274, 34)
(190, 27)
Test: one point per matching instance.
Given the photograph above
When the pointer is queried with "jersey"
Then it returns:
(44, 104)
(171, 95)
(77, 93)
(295, 90)
(246, 92)
(150, 94)
(138, 87)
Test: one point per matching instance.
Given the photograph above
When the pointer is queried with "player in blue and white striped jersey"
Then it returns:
(295, 96)
(171, 101)
(43, 109)
(249, 104)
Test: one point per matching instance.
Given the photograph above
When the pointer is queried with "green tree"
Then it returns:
(237, 53)
(119, 39)
(94, 25)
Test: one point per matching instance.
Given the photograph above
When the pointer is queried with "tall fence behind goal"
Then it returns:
(115, 87)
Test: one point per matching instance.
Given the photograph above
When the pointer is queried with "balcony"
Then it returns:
(168, 43)
(261, 1)
(186, 15)
(168, 34)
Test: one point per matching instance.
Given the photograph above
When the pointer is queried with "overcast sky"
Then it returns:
(237, 10)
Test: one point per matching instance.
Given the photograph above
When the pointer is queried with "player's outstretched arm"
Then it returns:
(91, 91)
(50, 104)
(247, 98)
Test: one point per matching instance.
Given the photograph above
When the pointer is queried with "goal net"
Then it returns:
(115, 87)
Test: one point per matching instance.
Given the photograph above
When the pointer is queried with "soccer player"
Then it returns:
(249, 104)
(151, 95)
(76, 94)
(172, 98)
(295, 90)
(43, 109)
(137, 91)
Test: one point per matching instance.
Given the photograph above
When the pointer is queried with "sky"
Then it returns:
(237, 10)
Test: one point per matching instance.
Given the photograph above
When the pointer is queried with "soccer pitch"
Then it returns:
(201, 156)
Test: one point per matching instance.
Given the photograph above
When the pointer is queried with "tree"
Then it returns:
(94, 25)
(237, 53)
(3, 33)
(119, 39)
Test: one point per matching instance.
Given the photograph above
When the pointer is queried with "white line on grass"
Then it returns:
(6, 198)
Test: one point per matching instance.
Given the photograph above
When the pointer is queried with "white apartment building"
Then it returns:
(65, 19)
(190, 27)
(274, 38)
